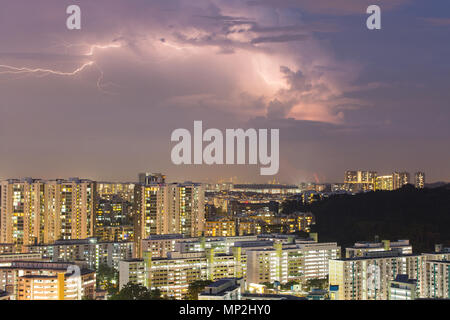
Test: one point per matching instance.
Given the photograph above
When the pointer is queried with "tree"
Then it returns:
(195, 288)
(268, 285)
(133, 291)
(288, 285)
(107, 278)
(316, 284)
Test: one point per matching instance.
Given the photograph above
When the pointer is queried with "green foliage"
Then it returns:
(107, 278)
(196, 287)
(291, 206)
(268, 285)
(315, 284)
(288, 285)
(132, 291)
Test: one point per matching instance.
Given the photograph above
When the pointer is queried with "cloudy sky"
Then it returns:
(102, 102)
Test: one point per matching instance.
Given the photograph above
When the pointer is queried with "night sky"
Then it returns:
(102, 102)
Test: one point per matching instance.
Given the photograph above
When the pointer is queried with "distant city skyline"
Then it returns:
(236, 180)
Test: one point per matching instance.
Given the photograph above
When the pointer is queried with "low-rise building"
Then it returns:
(220, 228)
(92, 252)
(290, 262)
(37, 280)
(402, 288)
(171, 263)
(224, 289)
(359, 249)
(7, 248)
(437, 279)
(369, 277)
(9, 257)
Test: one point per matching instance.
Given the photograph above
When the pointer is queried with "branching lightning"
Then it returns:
(5, 69)
(97, 46)
(42, 72)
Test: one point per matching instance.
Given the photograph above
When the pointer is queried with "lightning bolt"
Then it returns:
(6, 69)
(43, 72)
(97, 46)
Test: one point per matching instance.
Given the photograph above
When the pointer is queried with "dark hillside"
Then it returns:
(422, 216)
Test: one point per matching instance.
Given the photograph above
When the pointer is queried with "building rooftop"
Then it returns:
(44, 265)
(166, 237)
(221, 282)
(379, 254)
(264, 186)
(257, 296)
(91, 240)
(403, 278)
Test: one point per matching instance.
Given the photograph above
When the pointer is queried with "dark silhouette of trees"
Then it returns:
(422, 216)
(133, 291)
(196, 287)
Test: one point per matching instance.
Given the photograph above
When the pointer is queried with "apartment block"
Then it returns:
(360, 180)
(35, 211)
(402, 288)
(359, 249)
(290, 262)
(37, 280)
(168, 208)
(172, 275)
(224, 289)
(419, 180)
(436, 279)
(90, 251)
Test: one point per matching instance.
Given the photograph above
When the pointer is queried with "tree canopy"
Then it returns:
(196, 287)
(133, 291)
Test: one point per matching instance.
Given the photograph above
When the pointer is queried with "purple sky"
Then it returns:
(102, 102)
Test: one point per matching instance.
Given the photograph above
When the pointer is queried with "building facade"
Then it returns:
(168, 209)
(37, 280)
(90, 251)
(36, 211)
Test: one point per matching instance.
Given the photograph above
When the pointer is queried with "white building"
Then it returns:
(224, 289)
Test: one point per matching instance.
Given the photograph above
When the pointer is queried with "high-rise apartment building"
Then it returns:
(360, 180)
(369, 277)
(110, 190)
(392, 181)
(168, 209)
(360, 249)
(419, 180)
(150, 212)
(187, 208)
(22, 212)
(355, 181)
(150, 178)
(436, 276)
(385, 182)
(70, 206)
(400, 179)
(37, 211)
(220, 228)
